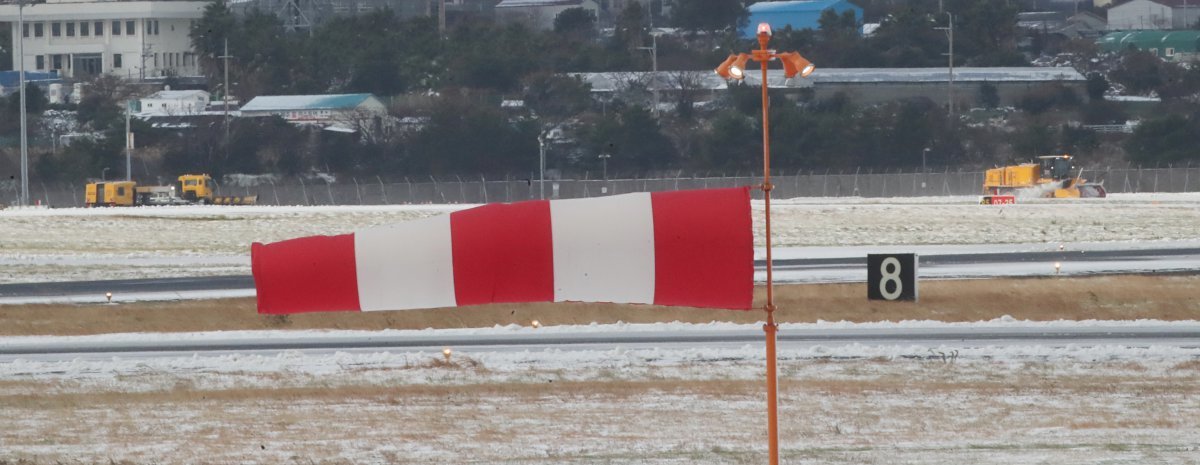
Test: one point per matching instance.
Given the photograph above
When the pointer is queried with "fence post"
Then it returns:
(382, 189)
(303, 189)
(356, 191)
(410, 192)
(274, 190)
(483, 187)
(856, 180)
(329, 189)
(1186, 172)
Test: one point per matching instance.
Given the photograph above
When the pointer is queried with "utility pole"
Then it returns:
(128, 143)
(146, 55)
(653, 48)
(950, 64)
(20, 33)
(225, 96)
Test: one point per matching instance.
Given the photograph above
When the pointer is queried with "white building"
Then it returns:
(1154, 14)
(134, 39)
(175, 103)
(540, 14)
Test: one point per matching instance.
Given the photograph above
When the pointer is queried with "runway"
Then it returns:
(792, 268)
(573, 339)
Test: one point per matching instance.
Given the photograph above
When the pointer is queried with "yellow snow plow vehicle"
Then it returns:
(189, 189)
(1049, 178)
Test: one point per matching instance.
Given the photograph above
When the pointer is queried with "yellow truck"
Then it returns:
(1050, 177)
(189, 189)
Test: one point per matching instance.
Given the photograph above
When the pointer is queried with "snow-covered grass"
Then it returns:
(850, 403)
(111, 243)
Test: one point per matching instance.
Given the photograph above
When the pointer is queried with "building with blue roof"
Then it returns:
(338, 112)
(799, 14)
(1168, 45)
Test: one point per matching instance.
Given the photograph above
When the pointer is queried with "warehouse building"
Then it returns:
(797, 14)
(863, 86)
(1169, 45)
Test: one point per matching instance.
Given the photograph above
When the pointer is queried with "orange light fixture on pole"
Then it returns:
(734, 67)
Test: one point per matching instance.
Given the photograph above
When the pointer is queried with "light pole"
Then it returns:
(542, 166)
(104, 173)
(20, 33)
(604, 162)
(950, 64)
(734, 67)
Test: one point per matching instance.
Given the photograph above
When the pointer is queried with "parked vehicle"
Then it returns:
(189, 189)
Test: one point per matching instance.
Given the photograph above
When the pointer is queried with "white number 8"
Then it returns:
(892, 276)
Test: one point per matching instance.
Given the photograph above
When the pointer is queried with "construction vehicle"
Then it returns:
(189, 189)
(1050, 178)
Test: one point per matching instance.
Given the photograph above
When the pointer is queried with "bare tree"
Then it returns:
(632, 87)
(372, 126)
(687, 86)
(111, 88)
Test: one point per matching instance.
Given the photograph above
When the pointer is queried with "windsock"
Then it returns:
(685, 248)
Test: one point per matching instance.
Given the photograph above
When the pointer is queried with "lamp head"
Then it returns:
(723, 69)
(737, 70)
(764, 28)
(794, 63)
(733, 67)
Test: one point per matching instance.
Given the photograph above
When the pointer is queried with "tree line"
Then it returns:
(452, 83)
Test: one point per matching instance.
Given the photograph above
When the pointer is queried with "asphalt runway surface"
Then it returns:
(840, 269)
(1184, 336)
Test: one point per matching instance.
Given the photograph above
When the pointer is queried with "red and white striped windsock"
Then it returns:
(686, 248)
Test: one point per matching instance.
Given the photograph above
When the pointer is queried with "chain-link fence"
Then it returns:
(378, 191)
